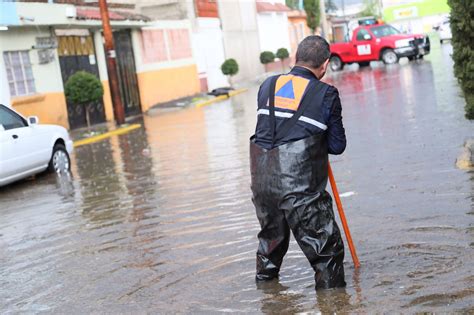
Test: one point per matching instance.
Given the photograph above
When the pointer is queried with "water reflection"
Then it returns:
(278, 298)
(99, 177)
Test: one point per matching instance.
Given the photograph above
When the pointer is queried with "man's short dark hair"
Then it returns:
(313, 51)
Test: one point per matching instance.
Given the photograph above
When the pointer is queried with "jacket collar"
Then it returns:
(304, 72)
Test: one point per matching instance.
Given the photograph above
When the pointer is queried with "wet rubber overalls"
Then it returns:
(288, 186)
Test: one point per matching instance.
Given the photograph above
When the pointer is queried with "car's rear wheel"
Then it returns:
(364, 64)
(60, 162)
(335, 63)
(389, 57)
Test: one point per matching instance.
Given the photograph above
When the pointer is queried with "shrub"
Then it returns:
(83, 87)
(282, 54)
(230, 67)
(267, 57)
(462, 27)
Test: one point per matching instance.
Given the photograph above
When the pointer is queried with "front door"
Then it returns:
(77, 53)
(127, 74)
(363, 46)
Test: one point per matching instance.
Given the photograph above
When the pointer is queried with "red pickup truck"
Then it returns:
(378, 42)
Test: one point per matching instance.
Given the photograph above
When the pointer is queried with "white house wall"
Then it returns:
(273, 31)
(100, 55)
(209, 51)
(241, 41)
(4, 89)
(47, 76)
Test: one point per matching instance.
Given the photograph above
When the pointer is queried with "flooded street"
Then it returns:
(160, 220)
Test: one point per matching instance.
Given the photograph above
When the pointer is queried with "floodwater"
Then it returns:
(160, 220)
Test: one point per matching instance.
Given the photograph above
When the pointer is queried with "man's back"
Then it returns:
(322, 111)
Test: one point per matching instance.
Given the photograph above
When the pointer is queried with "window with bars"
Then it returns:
(19, 73)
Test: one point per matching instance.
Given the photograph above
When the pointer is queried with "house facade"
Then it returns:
(43, 44)
(166, 50)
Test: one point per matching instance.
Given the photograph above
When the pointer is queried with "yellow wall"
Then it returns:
(49, 107)
(167, 84)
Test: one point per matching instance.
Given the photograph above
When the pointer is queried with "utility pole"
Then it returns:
(110, 55)
(346, 26)
(324, 21)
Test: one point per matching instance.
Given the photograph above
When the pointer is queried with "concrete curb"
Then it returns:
(123, 130)
(220, 98)
(116, 132)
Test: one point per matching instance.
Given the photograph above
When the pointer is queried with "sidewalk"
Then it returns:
(98, 132)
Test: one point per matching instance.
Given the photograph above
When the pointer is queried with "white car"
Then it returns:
(27, 148)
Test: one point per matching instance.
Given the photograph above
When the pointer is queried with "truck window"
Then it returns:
(361, 34)
(384, 30)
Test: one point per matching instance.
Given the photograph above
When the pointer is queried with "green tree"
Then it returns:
(292, 4)
(313, 13)
(370, 9)
(462, 27)
(267, 57)
(230, 67)
(282, 54)
(82, 89)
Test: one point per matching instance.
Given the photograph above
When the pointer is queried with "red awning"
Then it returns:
(270, 7)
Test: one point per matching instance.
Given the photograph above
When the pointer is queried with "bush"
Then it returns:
(282, 54)
(83, 87)
(462, 27)
(267, 57)
(230, 67)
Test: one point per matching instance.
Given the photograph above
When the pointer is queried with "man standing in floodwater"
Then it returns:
(299, 123)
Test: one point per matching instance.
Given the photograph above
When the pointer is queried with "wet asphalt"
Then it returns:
(160, 220)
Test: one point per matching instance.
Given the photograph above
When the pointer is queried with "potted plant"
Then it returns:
(267, 57)
(282, 54)
(230, 68)
(82, 89)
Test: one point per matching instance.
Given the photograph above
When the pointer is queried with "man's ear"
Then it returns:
(322, 69)
(325, 65)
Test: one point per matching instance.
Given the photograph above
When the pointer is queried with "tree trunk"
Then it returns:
(88, 119)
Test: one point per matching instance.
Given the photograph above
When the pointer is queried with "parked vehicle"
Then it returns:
(378, 42)
(27, 148)
(444, 30)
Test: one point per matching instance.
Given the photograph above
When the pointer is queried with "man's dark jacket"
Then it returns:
(316, 118)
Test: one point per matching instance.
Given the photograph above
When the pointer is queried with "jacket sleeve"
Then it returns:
(335, 132)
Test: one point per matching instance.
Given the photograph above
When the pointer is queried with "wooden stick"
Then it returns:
(343, 217)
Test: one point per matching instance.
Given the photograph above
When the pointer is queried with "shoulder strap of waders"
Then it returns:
(271, 105)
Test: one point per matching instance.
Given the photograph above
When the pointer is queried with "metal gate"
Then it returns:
(127, 75)
(76, 53)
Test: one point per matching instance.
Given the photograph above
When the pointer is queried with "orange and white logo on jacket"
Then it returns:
(289, 90)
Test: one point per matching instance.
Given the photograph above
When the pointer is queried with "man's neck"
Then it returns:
(316, 73)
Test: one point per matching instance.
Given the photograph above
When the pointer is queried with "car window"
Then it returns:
(361, 33)
(384, 30)
(10, 120)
